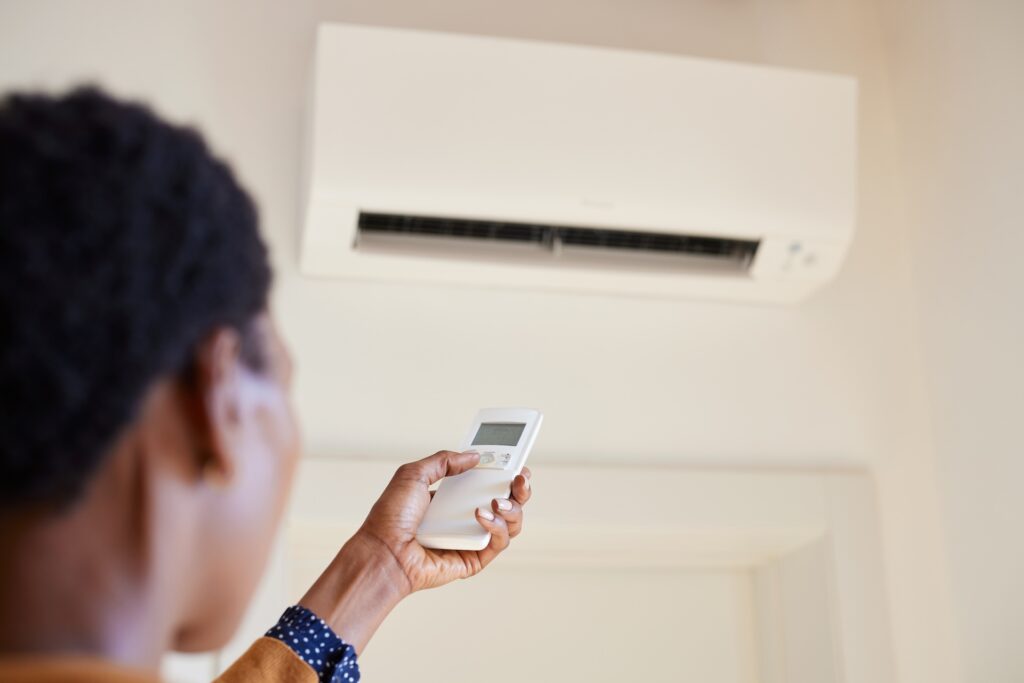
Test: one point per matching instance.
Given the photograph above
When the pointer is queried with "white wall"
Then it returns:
(392, 372)
(959, 88)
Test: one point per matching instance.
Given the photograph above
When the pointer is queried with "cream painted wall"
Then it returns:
(959, 89)
(391, 372)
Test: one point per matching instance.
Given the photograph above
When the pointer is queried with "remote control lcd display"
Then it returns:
(498, 434)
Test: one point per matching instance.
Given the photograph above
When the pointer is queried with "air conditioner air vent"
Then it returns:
(658, 241)
(553, 244)
(451, 227)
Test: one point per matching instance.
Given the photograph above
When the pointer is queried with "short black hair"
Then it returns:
(123, 242)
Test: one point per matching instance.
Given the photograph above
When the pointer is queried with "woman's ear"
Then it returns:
(216, 404)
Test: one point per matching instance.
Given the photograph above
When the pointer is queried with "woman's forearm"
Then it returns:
(358, 590)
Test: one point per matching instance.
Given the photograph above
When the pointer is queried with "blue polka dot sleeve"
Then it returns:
(313, 640)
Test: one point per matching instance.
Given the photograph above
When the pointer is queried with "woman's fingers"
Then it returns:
(499, 534)
(521, 490)
(503, 519)
(511, 509)
(512, 512)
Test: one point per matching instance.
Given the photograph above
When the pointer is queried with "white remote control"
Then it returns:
(503, 437)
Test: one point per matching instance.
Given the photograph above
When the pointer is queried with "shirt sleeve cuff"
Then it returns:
(317, 644)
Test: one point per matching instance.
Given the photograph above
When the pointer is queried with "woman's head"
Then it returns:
(141, 379)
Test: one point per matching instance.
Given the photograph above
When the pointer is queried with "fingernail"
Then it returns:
(470, 452)
(526, 483)
(504, 503)
(485, 513)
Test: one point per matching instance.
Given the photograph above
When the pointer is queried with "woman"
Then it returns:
(147, 442)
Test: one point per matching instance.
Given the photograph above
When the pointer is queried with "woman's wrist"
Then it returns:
(358, 589)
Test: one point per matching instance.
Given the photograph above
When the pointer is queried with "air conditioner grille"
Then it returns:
(432, 233)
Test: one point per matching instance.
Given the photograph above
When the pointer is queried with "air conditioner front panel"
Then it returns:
(484, 128)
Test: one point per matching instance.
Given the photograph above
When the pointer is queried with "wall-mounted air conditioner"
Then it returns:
(492, 162)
